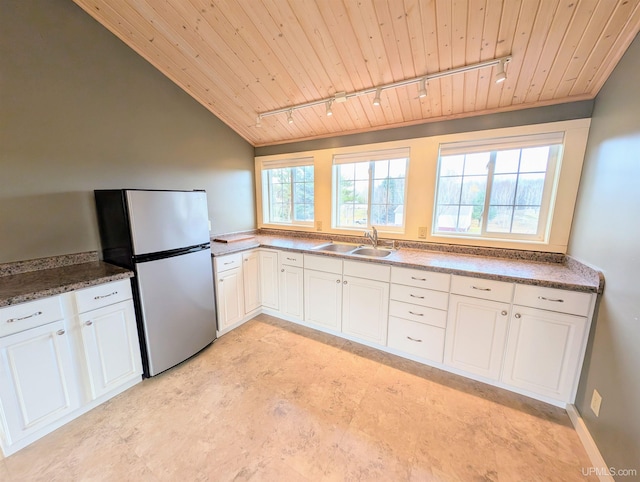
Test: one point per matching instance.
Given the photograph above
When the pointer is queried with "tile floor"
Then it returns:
(274, 401)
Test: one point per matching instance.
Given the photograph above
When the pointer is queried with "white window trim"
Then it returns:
(266, 165)
(368, 157)
(552, 176)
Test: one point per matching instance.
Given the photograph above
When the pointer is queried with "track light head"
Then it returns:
(501, 76)
(329, 111)
(376, 99)
(422, 92)
(290, 116)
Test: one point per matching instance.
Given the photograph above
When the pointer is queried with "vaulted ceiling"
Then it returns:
(240, 58)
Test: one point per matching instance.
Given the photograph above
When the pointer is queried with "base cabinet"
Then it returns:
(365, 309)
(251, 281)
(292, 291)
(269, 279)
(230, 295)
(38, 383)
(323, 299)
(111, 348)
(543, 351)
(475, 335)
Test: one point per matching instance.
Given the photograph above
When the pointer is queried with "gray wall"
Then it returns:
(606, 234)
(79, 110)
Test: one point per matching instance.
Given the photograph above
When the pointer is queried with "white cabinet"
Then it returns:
(475, 335)
(365, 301)
(251, 281)
(545, 348)
(38, 382)
(269, 279)
(230, 298)
(110, 346)
(323, 292)
(291, 284)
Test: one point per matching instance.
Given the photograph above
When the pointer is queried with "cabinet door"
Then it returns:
(111, 348)
(291, 291)
(269, 279)
(37, 379)
(230, 298)
(251, 281)
(323, 299)
(365, 306)
(476, 334)
(544, 351)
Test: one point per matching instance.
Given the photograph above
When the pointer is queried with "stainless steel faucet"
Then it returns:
(372, 236)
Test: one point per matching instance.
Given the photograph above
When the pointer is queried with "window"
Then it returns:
(287, 191)
(497, 189)
(369, 189)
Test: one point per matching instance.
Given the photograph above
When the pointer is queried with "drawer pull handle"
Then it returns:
(88, 323)
(228, 262)
(479, 288)
(419, 279)
(555, 300)
(60, 332)
(292, 259)
(414, 339)
(415, 296)
(99, 297)
(37, 313)
(416, 314)
(518, 315)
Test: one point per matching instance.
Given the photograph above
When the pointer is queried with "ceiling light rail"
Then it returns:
(422, 89)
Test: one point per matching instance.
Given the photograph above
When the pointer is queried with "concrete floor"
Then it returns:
(275, 401)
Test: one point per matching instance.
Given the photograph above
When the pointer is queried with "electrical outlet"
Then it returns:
(596, 401)
(209, 225)
(318, 225)
(422, 232)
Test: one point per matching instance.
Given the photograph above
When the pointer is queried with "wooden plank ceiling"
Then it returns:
(239, 58)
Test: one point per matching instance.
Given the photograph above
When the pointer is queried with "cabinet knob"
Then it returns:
(518, 315)
(338, 281)
(282, 270)
(344, 282)
(504, 313)
(60, 332)
(88, 323)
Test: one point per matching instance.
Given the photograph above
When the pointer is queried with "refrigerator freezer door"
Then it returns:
(166, 220)
(176, 297)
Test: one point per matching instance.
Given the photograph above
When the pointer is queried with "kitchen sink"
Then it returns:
(337, 247)
(375, 252)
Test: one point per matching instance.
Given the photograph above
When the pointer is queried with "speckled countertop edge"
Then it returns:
(566, 273)
(40, 278)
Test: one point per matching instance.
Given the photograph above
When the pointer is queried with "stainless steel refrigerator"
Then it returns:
(163, 236)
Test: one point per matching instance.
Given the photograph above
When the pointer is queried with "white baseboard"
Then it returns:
(590, 446)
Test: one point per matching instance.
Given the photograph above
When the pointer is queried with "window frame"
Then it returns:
(555, 142)
(267, 187)
(369, 157)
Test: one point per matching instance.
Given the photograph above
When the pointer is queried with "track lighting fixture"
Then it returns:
(376, 99)
(422, 92)
(329, 111)
(421, 81)
(500, 74)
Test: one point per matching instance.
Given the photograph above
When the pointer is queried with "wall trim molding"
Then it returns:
(589, 444)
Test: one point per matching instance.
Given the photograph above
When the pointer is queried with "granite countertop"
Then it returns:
(20, 282)
(563, 272)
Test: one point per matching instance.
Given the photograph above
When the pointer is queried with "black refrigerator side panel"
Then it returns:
(113, 221)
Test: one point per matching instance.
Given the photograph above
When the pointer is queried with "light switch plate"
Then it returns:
(596, 401)
(422, 232)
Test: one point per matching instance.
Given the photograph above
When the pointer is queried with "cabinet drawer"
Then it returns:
(482, 288)
(552, 299)
(420, 314)
(230, 261)
(291, 259)
(24, 316)
(420, 278)
(420, 296)
(378, 272)
(102, 295)
(323, 263)
(420, 340)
